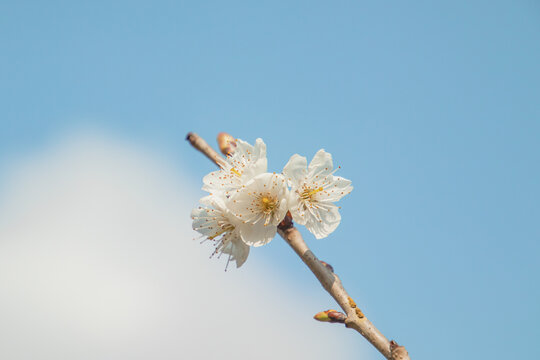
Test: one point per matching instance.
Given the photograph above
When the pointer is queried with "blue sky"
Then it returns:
(430, 108)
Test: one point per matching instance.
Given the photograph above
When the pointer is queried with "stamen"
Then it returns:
(315, 191)
(307, 194)
(268, 204)
(233, 170)
(228, 260)
(223, 230)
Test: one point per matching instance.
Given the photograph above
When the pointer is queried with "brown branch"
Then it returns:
(398, 352)
(330, 282)
(198, 143)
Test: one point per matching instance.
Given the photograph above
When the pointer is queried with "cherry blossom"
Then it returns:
(314, 189)
(244, 164)
(216, 223)
(261, 204)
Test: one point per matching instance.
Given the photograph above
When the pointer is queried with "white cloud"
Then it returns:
(97, 261)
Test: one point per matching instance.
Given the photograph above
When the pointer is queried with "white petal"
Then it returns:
(257, 168)
(321, 165)
(242, 148)
(205, 221)
(211, 200)
(241, 204)
(295, 170)
(338, 188)
(207, 200)
(220, 181)
(260, 149)
(257, 234)
(244, 202)
(246, 156)
(235, 247)
(247, 162)
(325, 222)
(296, 207)
(281, 211)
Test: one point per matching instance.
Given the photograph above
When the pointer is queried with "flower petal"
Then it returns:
(235, 247)
(325, 221)
(245, 203)
(257, 168)
(337, 188)
(295, 170)
(259, 150)
(257, 234)
(244, 164)
(296, 207)
(220, 181)
(246, 155)
(321, 165)
(205, 221)
(281, 211)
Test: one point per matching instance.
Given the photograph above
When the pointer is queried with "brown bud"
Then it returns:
(398, 352)
(286, 223)
(327, 265)
(332, 316)
(336, 316)
(226, 143)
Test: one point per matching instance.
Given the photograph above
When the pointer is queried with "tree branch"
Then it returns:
(198, 143)
(330, 282)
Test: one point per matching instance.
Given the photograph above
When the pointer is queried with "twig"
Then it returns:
(198, 143)
(330, 282)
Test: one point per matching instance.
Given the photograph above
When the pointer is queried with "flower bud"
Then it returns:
(286, 223)
(336, 316)
(322, 316)
(226, 143)
(332, 316)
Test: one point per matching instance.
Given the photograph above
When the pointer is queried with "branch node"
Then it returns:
(286, 223)
(398, 352)
(327, 265)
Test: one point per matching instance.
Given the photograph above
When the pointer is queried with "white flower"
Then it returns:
(261, 204)
(314, 191)
(216, 223)
(244, 164)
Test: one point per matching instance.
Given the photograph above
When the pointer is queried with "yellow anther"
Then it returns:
(315, 191)
(268, 204)
(233, 170)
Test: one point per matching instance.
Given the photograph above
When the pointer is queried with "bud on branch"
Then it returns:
(226, 143)
(332, 316)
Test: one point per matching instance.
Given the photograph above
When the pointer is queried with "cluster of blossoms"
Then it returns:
(246, 203)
